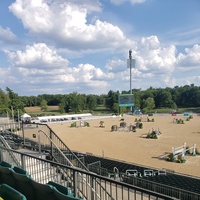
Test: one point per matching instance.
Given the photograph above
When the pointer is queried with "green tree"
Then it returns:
(61, 108)
(174, 106)
(115, 108)
(137, 99)
(123, 110)
(73, 102)
(163, 98)
(15, 103)
(82, 101)
(43, 105)
(4, 102)
(111, 99)
(91, 102)
(4, 99)
(149, 104)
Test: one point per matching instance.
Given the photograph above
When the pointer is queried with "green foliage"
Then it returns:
(73, 125)
(43, 105)
(170, 157)
(134, 128)
(122, 110)
(197, 151)
(75, 102)
(188, 150)
(180, 159)
(179, 121)
(140, 125)
(161, 100)
(115, 108)
(149, 104)
(150, 120)
(111, 99)
(86, 124)
(174, 106)
(61, 108)
(122, 124)
(152, 135)
(190, 117)
(4, 101)
(101, 124)
(113, 128)
(138, 120)
(91, 102)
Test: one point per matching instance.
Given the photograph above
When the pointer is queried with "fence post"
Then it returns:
(184, 148)
(23, 162)
(75, 183)
(194, 150)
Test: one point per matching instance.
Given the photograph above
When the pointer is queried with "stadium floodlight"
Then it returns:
(130, 64)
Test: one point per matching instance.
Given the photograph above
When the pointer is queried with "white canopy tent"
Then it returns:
(25, 117)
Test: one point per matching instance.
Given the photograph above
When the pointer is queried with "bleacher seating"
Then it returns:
(21, 181)
(61, 192)
(9, 193)
(23, 185)
(61, 188)
(6, 174)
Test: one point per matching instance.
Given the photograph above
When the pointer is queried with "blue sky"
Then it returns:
(59, 46)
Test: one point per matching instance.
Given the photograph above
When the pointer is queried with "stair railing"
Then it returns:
(11, 154)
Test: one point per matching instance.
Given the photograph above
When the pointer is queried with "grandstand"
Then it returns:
(41, 165)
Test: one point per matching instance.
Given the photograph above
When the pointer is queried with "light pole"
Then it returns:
(130, 60)
(131, 63)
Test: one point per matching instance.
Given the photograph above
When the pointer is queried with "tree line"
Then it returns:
(146, 100)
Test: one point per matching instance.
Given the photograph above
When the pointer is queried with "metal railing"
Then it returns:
(80, 181)
(4, 143)
(136, 181)
(44, 142)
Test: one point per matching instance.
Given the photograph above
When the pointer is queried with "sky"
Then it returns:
(65, 46)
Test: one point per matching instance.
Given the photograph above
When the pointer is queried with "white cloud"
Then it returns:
(119, 2)
(65, 24)
(152, 57)
(7, 36)
(184, 36)
(116, 66)
(189, 60)
(37, 56)
(88, 73)
(195, 79)
(4, 75)
(38, 66)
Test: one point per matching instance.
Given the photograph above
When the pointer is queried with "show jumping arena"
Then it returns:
(130, 146)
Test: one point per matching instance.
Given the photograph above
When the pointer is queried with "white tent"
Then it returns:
(25, 117)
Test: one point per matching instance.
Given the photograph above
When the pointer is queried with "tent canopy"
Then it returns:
(25, 117)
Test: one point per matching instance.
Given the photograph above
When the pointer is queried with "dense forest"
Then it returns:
(152, 98)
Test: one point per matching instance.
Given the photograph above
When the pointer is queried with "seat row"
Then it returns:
(8, 193)
(21, 181)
